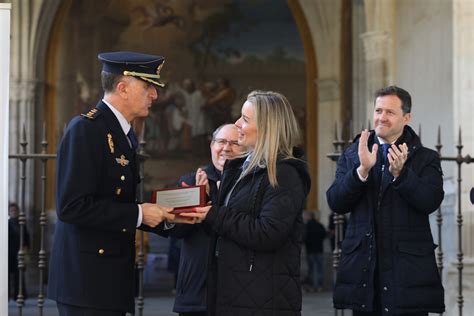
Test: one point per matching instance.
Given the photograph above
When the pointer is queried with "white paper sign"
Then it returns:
(182, 197)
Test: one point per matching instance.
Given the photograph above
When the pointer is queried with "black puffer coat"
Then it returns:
(389, 230)
(257, 270)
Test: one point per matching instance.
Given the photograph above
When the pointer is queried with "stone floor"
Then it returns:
(313, 304)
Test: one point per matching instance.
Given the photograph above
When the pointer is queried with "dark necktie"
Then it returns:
(385, 148)
(133, 139)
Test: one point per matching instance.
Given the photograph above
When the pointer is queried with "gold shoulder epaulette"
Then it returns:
(92, 114)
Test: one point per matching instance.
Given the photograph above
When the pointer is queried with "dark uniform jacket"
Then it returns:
(257, 268)
(93, 254)
(191, 287)
(388, 237)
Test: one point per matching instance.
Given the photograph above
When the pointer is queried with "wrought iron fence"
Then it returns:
(340, 145)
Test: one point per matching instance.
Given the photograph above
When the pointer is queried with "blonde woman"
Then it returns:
(255, 261)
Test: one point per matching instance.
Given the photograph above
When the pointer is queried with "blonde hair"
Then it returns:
(277, 132)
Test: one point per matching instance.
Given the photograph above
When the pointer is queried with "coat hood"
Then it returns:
(300, 165)
(297, 162)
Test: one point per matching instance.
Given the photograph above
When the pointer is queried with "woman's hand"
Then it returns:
(199, 213)
(179, 219)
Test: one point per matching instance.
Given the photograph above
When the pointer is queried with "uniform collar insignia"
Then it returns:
(122, 161)
(91, 115)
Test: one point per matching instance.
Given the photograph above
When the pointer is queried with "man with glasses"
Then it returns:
(192, 274)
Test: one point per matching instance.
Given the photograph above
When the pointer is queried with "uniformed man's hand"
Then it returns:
(367, 159)
(154, 214)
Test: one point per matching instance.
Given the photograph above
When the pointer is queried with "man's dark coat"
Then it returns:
(388, 237)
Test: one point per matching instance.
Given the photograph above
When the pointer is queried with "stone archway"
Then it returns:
(57, 106)
(311, 100)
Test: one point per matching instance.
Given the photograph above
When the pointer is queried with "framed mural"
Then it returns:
(216, 51)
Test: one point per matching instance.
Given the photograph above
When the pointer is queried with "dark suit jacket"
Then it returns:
(191, 288)
(93, 255)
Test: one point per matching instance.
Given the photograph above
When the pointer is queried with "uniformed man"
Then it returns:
(92, 260)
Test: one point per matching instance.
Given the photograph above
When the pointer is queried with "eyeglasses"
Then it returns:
(222, 142)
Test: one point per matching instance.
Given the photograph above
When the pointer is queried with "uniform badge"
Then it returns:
(158, 70)
(111, 143)
(91, 115)
(122, 161)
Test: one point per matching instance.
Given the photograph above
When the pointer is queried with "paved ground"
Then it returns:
(313, 304)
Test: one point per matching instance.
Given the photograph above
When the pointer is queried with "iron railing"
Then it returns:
(339, 145)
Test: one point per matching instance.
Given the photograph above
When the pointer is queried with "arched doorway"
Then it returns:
(242, 41)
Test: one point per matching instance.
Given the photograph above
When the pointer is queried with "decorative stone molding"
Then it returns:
(375, 45)
(22, 91)
(328, 89)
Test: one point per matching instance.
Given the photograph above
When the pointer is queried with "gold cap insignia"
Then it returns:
(158, 70)
(111, 143)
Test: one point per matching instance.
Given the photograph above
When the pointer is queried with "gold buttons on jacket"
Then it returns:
(118, 191)
(101, 251)
(124, 230)
(122, 178)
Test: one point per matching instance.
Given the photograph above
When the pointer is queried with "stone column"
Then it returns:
(324, 22)
(463, 96)
(22, 96)
(359, 90)
(376, 46)
(22, 116)
(329, 105)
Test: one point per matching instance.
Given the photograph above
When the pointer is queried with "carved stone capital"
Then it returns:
(328, 89)
(375, 45)
(22, 91)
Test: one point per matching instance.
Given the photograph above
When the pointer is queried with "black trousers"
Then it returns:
(193, 314)
(70, 310)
